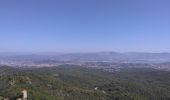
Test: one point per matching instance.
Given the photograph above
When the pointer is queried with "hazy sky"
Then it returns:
(84, 25)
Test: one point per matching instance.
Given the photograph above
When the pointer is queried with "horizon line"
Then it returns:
(52, 52)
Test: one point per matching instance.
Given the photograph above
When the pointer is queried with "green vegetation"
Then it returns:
(68, 82)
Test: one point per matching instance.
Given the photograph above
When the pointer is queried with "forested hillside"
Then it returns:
(70, 82)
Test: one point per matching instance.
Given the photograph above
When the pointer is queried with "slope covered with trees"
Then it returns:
(70, 82)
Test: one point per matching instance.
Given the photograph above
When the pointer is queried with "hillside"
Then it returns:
(70, 82)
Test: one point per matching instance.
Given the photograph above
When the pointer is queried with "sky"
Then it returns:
(84, 25)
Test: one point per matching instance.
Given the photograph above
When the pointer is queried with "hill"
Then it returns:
(70, 82)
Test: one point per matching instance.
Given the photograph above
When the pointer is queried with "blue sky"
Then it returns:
(84, 25)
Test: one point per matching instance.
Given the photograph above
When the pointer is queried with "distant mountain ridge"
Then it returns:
(99, 56)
